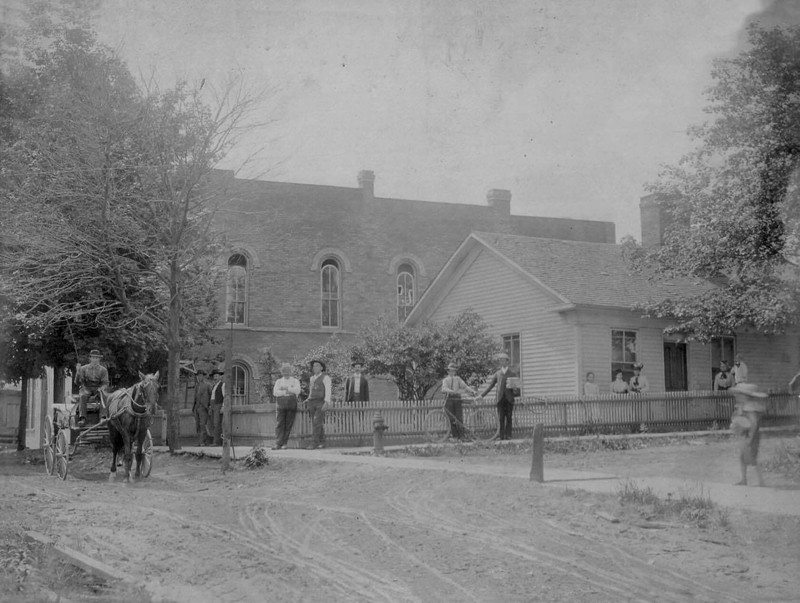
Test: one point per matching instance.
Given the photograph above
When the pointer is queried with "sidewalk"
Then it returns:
(776, 500)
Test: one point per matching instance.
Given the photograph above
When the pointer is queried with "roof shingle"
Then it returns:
(586, 273)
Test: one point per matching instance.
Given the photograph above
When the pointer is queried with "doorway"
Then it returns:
(675, 377)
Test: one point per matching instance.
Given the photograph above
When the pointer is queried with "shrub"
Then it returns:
(257, 457)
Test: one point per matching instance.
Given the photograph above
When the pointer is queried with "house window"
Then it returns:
(331, 293)
(406, 291)
(722, 348)
(623, 353)
(239, 385)
(511, 347)
(236, 290)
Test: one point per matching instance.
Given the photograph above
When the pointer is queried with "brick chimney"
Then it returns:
(366, 182)
(500, 200)
(655, 218)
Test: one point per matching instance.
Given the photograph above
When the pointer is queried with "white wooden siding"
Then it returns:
(595, 355)
(771, 360)
(698, 360)
(509, 303)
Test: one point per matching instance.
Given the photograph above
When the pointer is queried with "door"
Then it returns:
(675, 377)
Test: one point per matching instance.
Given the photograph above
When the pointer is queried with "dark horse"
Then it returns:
(129, 413)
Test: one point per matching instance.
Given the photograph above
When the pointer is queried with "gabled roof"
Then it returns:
(576, 273)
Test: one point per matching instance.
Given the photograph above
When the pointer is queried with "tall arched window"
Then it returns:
(240, 385)
(331, 293)
(236, 290)
(406, 291)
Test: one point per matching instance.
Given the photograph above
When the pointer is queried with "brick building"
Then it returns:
(308, 261)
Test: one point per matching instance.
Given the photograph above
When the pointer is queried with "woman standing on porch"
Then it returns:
(618, 385)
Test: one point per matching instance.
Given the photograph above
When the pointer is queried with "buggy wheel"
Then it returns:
(147, 454)
(437, 426)
(62, 454)
(482, 424)
(47, 445)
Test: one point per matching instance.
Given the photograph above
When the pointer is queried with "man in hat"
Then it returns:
(454, 388)
(285, 390)
(750, 405)
(639, 383)
(319, 394)
(202, 409)
(356, 388)
(217, 399)
(92, 378)
(505, 394)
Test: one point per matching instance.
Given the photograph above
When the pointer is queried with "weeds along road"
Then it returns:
(308, 530)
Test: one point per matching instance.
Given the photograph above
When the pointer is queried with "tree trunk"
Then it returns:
(22, 424)
(173, 360)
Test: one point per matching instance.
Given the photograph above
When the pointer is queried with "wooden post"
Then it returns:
(226, 404)
(537, 454)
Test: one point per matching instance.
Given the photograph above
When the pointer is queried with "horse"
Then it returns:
(129, 413)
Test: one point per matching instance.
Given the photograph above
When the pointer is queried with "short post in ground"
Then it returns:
(378, 427)
(537, 454)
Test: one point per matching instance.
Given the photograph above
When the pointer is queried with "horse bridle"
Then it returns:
(139, 408)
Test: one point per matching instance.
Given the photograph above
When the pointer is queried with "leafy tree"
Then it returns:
(732, 203)
(336, 355)
(416, 357)
(111, 188)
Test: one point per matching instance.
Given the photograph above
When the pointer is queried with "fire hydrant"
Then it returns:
(378, 427)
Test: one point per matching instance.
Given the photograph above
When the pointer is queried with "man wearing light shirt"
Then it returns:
(319, 394)
(286, 390)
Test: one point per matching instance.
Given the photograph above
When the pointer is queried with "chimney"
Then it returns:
(500, 200)
(366, 182)
(654, 218)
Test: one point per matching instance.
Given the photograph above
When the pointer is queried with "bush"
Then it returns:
(257, 457)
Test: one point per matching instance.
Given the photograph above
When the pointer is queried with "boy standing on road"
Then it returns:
(750, 408)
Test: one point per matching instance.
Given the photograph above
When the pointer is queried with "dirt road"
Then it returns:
(308, 530)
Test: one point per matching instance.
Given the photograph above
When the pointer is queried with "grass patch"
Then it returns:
(694, 507)
(426, 450)
(785, 461)
(35, 572)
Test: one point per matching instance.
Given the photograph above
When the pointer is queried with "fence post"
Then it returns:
(537, 454)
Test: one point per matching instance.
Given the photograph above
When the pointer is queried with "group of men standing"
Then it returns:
(208, 399)
(506, 387)
(287, 391)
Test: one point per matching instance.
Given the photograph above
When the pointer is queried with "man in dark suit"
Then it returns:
(217, 400)
(504, 396)
(356, 389)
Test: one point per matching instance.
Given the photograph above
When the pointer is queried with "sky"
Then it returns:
(572, 105)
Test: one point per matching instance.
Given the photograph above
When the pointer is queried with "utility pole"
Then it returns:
(226, 403)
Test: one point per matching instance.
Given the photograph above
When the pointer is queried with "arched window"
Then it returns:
(406, 291)
(331, 293)
(240, 385)
(236, 290)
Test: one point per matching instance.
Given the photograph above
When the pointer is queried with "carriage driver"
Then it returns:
(92, 378)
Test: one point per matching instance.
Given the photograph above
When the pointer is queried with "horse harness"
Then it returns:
(135, 408)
